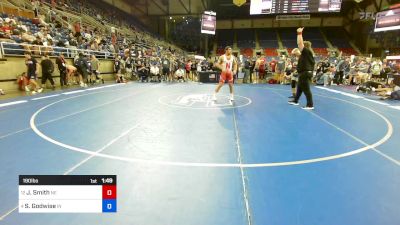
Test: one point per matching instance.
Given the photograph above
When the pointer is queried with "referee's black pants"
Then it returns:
(304, 86)
(47, 76)
(338, 79)
(63, 77)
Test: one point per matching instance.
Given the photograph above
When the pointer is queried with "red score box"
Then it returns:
(109, 191)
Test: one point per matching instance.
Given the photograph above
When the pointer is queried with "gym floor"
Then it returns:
(181, 158)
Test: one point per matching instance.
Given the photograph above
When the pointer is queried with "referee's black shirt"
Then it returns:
(306, 61)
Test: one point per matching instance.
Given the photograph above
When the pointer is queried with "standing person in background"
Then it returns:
(246, 70)
(47, 71)
(32, 67)
(376, 68)
(62, 67)
(96, 69)
(166, 69)
(82, 68)
(36, 5)
(294, 78)
(128, 66)
(281, 69)
(71, 71)
(260, 68)
(89, 69)
(305, 68)
(199, 67)
(253, 75)
(193, 70)
(341, 67)
(272, 66)
(188, 67)
(118, 69)
(155, 69)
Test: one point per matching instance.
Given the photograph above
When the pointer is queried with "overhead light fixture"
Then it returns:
(170, 17)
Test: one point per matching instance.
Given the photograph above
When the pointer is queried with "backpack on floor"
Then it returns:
(272, 81)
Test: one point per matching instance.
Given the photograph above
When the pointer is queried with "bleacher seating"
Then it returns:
(348, 51)
(289, 39)
(220, 51)
(337, 36)
(246, 38)
(267, 38)
(225, 38)
(321, 51)
(270, 52)
(247, 52)
(62, 34)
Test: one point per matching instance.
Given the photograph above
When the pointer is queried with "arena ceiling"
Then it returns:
(146, 10)
(167, 7)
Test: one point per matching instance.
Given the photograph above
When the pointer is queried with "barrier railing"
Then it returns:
(17, 49)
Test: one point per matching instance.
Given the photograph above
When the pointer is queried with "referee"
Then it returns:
(305, 68)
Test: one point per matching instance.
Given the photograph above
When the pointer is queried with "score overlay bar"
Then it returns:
(67, 193)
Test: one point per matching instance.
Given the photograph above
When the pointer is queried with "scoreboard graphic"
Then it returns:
(67, 193)
(208, 22)
(294, 6)
(387, 20)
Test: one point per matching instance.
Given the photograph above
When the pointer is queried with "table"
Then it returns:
(209, 76)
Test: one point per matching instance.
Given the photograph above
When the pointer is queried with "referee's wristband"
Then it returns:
(299, 33)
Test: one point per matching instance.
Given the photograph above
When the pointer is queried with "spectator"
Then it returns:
(342, 68)
(143, 72)
(295, 75)
(376, 69)
(188, 67)
(95, 64)
(71, 71)
(32, 72)
(272, 65)
(193, 69)
(62, 67)
(155, 70)
(118, 70)
(82, 69)
(36, 6)
(246, 70)
(166, 68)
(179, 75)
(281, 69)
(47, 71)
(128, 66)
(259, 69)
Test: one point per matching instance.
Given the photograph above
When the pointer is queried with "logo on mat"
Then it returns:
(204, 101)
